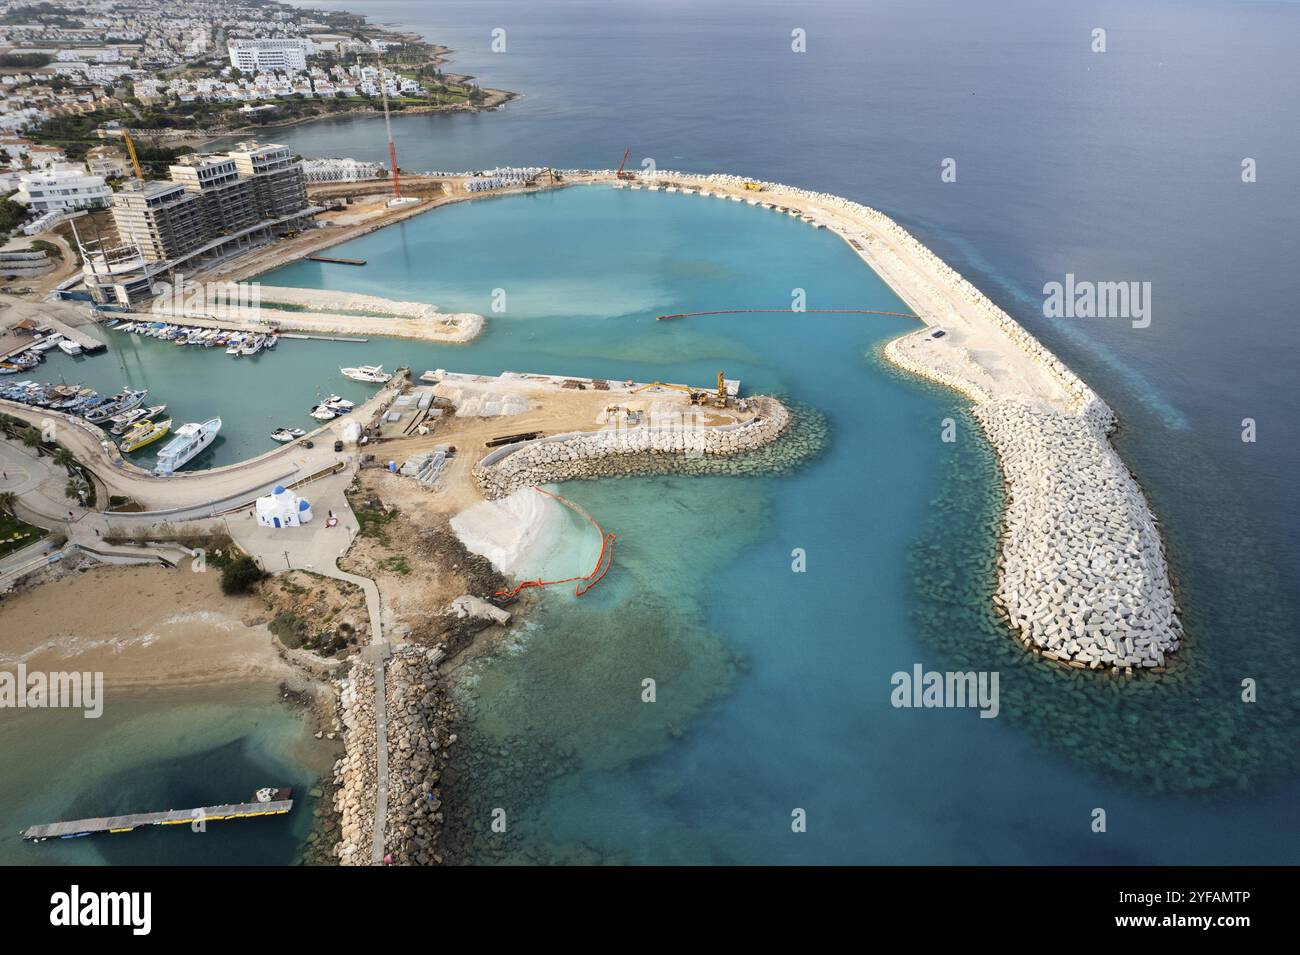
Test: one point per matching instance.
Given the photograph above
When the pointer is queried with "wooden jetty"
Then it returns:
(172, 817)
(334, 260)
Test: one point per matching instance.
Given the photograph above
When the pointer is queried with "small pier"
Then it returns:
(76, 828)
(323, 338)
(334, 260)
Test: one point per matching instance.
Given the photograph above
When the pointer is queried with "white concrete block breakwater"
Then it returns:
(621, 450)
(1082, 571)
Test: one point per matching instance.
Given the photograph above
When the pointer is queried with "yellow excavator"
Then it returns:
(718, 400)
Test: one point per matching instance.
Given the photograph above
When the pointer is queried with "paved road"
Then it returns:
(195, 490)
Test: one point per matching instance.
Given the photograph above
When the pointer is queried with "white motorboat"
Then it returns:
(285, 435)
(121, 423)
(370, 373)
(48, 342)
(190, 439)
(69, 347)
(324, 413)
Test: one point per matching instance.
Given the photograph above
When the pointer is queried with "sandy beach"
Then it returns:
(142, 627)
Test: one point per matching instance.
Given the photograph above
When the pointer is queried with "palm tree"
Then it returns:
(76, 488)
(8, 501)
(32, 439)
(64, 459)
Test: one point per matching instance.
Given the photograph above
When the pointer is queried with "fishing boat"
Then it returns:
(285, 435)
(123, 422)
(69, 347)
(234, 343)
(190, 439)
(251, 345)
(371, 373)
(9, 368)
(48, 342)
(123, 401)
(324, 413)
(145, 432)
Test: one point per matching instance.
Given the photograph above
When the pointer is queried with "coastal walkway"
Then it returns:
(316, 548)
(196, 492)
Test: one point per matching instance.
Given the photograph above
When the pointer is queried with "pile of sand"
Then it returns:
(511, 532)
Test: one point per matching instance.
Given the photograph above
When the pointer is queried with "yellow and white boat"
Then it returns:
(146, 432)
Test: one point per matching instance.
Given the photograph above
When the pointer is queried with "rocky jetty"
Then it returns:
(355, 772)
(420, 712)
(624, 451)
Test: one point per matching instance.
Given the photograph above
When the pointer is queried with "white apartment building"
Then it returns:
(62, 187)
(273, 53)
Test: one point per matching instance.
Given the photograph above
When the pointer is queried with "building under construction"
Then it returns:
(212, 207)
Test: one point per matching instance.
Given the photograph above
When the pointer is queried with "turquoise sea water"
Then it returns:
(155, 750)
(772, 686)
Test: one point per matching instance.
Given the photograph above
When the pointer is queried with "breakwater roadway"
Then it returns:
(1082, 572)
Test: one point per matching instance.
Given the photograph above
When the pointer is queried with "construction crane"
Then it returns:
(698, 397)
(621, 174)
(130, 151)
(388, 125)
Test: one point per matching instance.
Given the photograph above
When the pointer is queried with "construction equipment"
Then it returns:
(388, 125)
(718, 399)
(130, 151)
(753, 187)
(621, 173)
(697, 397)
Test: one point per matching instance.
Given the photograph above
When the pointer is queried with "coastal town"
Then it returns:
(393, 537)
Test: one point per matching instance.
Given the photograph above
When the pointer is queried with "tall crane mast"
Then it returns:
(130, 150)
(388, 126)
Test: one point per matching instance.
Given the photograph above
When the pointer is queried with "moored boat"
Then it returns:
(368, 373)
(145, 432)
(190, 439)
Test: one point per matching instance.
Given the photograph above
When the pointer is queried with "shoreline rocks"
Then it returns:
(626, 451)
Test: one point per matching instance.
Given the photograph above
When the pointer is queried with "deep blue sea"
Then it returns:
(773, 687)
(1123, 165)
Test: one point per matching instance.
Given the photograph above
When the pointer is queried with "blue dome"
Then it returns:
(303, 505)
(278, 489)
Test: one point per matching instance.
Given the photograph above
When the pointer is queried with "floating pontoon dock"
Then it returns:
(172, 817)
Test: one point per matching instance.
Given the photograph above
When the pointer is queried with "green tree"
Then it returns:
(64, 459)
(240, 575)
(8, 501)
(76, 489)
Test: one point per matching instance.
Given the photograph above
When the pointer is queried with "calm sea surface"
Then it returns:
(773, 687)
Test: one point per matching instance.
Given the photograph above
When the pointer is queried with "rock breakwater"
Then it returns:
(626, 451)
(1082, 577)
(420, 712)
